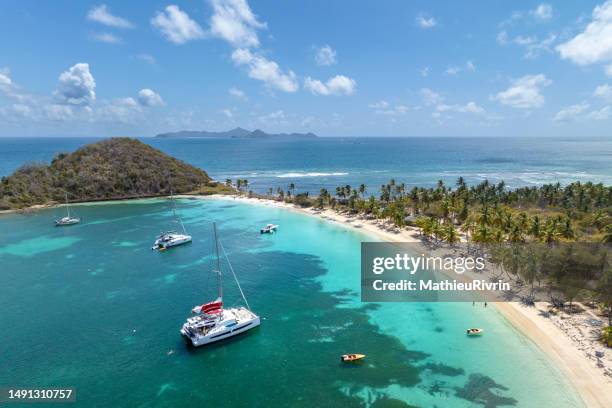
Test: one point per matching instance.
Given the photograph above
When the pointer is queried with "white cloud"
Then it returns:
(237, 93)
(262, 69)
(57, 112)
(524, 93)
(338, 85)
(594, 44)
(604, 92)
(228, 113)
(77, 86)
(233, 21)
(107, 38)
(424, 72)
(470, 107)
(425, 22)
(454, 70)
(100, 14)
(176, 25)
(502, 38)
(571, 112)
(147, 97)
(122, 110)
(430, 97)
(272, 119)
(543, 12)
(325, 55)
(532, 45)
(608, 70)
(601, 114)
(397, 110)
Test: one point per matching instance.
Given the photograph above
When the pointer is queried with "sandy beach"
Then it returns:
(569, 342)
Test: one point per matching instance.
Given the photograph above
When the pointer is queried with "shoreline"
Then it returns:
(590, 382)
(577, 366)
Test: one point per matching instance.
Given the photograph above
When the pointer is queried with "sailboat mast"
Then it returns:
(67, 206)
(219, 283)
(176, 216)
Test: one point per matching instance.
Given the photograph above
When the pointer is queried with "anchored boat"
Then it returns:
(170, 239)
(269, 229)
(474, 332)
(212, 322)
(347, 358)
(68, 219)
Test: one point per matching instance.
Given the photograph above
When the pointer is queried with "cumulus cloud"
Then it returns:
(325, 55)
(267, 71)
(101, 14)
(470, 107)
(571, 112)
(430, 97)
(233, 21)
(601, 114)
(176, 25)
(524, 93)
(604, 92)
(594, 44)
(107, 38)
(425, 22)
(147, 97)
(76, 86)
(532, 44)
(338, 85)
(543, 12)
(237, 93)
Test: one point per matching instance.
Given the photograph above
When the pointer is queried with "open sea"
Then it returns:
(330, 162)
(92, 307)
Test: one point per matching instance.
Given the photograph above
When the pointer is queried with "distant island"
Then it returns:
(115, 168)
(237, 133)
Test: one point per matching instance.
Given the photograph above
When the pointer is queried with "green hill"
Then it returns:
(110, 169)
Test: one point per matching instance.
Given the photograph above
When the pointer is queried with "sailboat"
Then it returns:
(68, 219)
(212, 322)
(170, 239)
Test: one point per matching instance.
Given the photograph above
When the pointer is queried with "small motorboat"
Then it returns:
(347, 358)
(474, 332)
(268, 229)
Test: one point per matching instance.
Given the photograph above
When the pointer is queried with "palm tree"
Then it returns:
(451, 235)
(228, 182)
(292, 188)
(362, 190)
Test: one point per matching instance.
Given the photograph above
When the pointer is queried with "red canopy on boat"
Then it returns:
(213, 307)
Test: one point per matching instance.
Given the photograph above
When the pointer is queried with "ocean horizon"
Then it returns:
(328, 162)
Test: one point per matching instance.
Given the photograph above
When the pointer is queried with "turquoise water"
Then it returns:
(330, 162)
(92, 307)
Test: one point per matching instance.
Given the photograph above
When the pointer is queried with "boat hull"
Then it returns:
(202, 340)
(169, 244)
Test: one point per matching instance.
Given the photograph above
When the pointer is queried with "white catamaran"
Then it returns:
(68, 219)
(170, 239)
(213, 322)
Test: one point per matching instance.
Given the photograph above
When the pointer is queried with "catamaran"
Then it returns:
(68, 219)
(170, 239)
(212, 322)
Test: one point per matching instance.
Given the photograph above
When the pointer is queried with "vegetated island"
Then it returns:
(237, 133)
(115, 168)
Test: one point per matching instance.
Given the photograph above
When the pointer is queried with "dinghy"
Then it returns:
(347, 358)
(474, 332)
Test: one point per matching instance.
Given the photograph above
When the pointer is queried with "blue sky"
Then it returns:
(336, 68)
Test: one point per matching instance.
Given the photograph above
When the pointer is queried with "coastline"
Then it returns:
(591, 383)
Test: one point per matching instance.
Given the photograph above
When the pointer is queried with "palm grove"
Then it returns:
(547, 221)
